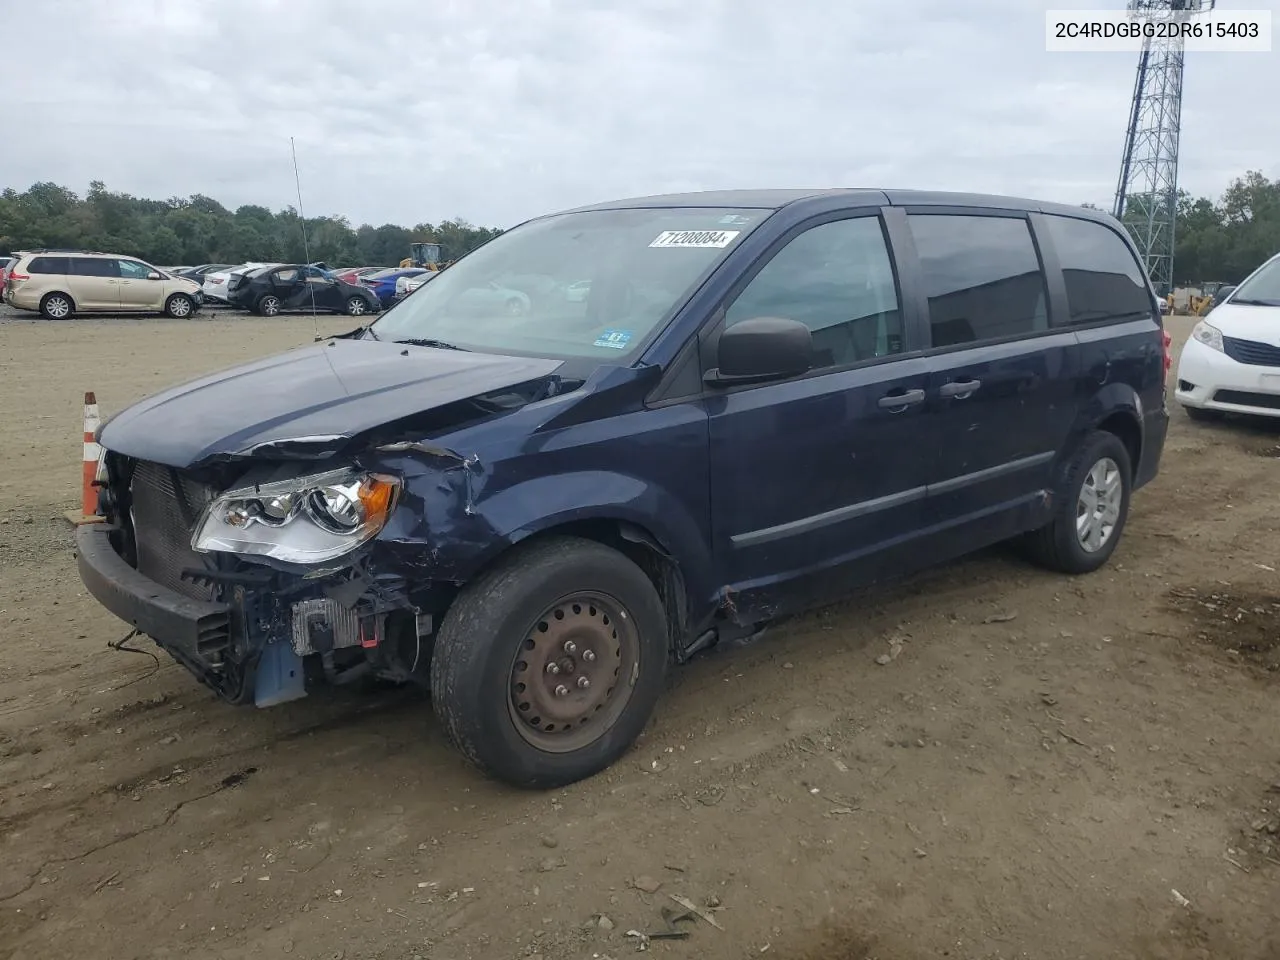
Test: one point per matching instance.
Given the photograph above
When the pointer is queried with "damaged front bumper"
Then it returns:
(268, 635)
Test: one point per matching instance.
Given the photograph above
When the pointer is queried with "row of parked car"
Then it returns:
(60, 283)
(270, 288)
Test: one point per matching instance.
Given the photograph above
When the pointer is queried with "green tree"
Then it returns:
(199, 229)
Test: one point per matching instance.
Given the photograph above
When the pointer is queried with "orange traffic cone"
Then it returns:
(89, 466)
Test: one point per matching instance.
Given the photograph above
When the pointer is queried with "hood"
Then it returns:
(322, 393)
(1245, 322)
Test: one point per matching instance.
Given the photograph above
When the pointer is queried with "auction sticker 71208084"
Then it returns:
(713, 239)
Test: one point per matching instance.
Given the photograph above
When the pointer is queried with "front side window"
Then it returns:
(133, 270)
(982, 276)
(836, 279)
(1261, 288)
(592, 284)
(1103, 280)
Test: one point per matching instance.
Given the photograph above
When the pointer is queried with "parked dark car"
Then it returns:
(297, 286)
(760, 401)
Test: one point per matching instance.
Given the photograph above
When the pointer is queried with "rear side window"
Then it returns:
(1104, 280)
(55, 265)
(94, 267)
(982, 276)
(286, 276)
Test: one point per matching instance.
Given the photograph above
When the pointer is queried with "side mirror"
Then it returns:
(762, 348)
(155, 275)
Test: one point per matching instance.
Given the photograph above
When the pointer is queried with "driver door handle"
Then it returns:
(897, 402)
(959, 388)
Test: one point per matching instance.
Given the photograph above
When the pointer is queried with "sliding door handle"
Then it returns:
(897, 402)
(959, 389)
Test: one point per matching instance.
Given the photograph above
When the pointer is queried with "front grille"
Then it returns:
(1251, 352)
(166, 507)
(1246, 398)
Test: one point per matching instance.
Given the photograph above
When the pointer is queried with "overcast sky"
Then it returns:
(495, 110)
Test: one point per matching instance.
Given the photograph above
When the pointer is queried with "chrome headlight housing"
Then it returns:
(309, 520)
(1208, 334)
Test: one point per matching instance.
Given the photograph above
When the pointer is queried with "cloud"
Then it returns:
(496, 110)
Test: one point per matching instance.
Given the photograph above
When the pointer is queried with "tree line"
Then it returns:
(198, 229)
(1221, 239)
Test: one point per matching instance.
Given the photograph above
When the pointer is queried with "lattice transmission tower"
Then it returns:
(1147, 193)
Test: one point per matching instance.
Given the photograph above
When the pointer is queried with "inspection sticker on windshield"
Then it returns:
(713, 239)
(617, 339)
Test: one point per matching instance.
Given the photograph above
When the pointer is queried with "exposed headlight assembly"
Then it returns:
(308, 520)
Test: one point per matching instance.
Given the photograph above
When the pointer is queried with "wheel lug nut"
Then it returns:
(588, 655)
(583, 683)
(553, 667)
(570, 647)
(562, 691)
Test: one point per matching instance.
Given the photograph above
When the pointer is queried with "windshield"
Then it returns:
(590, 284)
(1261, 288)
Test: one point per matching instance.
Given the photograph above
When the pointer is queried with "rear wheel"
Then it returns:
(546, 669)
(1092, 504)
(269, 305)
(57, 306)
(357, 307)
(179, 306)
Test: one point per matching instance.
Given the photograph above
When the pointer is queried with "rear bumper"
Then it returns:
(1155, 428)
(196, 633)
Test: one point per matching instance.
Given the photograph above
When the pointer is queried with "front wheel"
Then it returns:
(1092, 504)
(546, 669)
(179, 306)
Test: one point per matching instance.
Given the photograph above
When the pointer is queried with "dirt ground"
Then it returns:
(1048, 768)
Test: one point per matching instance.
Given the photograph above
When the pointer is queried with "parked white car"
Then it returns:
(215, 284)
(1231, 363)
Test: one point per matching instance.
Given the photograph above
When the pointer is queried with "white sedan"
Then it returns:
(1231, 363)
(214, 287)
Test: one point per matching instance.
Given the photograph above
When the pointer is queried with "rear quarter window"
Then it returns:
(1104, 280)
(55, 265)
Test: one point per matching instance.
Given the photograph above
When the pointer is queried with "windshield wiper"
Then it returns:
(438, 344)
(1256, 303)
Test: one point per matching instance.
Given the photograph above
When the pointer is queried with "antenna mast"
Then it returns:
(1147, 192)
(306, 250)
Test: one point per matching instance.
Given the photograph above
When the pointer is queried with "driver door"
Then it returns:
(819, 479)
(326, 293)
(137, 290)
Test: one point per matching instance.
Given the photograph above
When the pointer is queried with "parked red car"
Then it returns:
(354, 274)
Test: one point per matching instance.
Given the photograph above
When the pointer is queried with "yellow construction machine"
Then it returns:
(425, 255)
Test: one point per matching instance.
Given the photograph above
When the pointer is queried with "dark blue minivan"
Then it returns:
(616, 436)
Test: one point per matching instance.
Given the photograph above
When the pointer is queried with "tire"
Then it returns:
(559, 591)
(57, 306)
(269, 306)
(179, 306)
(1058, 545)
(1201, 415)
(357, 307)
